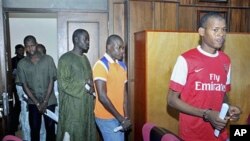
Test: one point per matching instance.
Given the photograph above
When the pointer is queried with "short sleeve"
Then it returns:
(100, 71)
(179, 74)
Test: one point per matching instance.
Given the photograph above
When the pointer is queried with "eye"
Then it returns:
(121, 47)
(215, 30)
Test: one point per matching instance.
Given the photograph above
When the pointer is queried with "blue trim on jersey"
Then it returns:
(122, 64)
(106, 63)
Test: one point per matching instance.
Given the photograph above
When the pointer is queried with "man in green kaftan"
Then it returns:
(76, 99)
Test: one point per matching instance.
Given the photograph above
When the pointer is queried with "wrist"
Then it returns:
(205, 114)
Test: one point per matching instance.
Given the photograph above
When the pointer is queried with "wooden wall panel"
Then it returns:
(187, 19)
(140, 18)
(241, 3)
(165, 16)
(140, 85)
(119, 19)
(213, 4)
(137, 10)
(238, 20)
(161, 50)
(190, 23)
(237, 47)
(187, 2)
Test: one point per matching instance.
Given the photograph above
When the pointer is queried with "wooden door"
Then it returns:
(95, 23)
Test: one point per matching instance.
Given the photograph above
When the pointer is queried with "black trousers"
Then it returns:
(14, 115)
(35, 120)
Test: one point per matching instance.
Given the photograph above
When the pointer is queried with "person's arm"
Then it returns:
(175, 102)
(211, 116)
(52, 76)
(105, 101)
(30, 95)
(126, 124)
(234, 111)
(23, 83)
(125, 104)
(108, 105)
(47, 96)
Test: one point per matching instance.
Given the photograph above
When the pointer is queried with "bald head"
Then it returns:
(29, 38)
(79, 32)
(114, 40)
(115, 47)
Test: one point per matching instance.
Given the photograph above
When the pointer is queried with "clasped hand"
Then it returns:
(42, 107)
(126, 125)
(89, 86)
(233, 115)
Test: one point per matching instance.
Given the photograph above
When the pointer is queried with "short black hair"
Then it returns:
(18, 46)
(42, 47)
(78, 32)
(204, 19)
(112, 38)
(29, 38)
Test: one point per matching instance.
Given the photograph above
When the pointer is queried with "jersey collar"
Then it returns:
(206, 53)
(109, 58)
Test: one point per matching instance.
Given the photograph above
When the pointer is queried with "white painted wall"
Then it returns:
(57, 4)
(44, 29)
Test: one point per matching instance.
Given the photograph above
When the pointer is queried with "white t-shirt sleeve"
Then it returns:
(180, 71)
(229, 76)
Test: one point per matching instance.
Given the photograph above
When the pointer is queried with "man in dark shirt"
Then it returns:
(37, 73)
(19, 51)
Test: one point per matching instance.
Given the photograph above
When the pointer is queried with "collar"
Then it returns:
(110, 59)
(206, 53)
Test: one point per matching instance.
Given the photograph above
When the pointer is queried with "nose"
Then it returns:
(222, 32)
(122, 51)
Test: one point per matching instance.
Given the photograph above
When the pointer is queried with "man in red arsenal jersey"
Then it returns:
(199, 83)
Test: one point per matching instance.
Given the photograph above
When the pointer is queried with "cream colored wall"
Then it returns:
(44, 29)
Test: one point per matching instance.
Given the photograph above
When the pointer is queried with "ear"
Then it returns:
(201, 31)
(75, 39)
(109, 47)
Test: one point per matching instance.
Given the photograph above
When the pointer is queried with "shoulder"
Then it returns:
(100, 64)
(66, 56)
(190, 52)
(24, 60)
(224, 56)
(47, 57)
(13, 58)
(24, 63)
